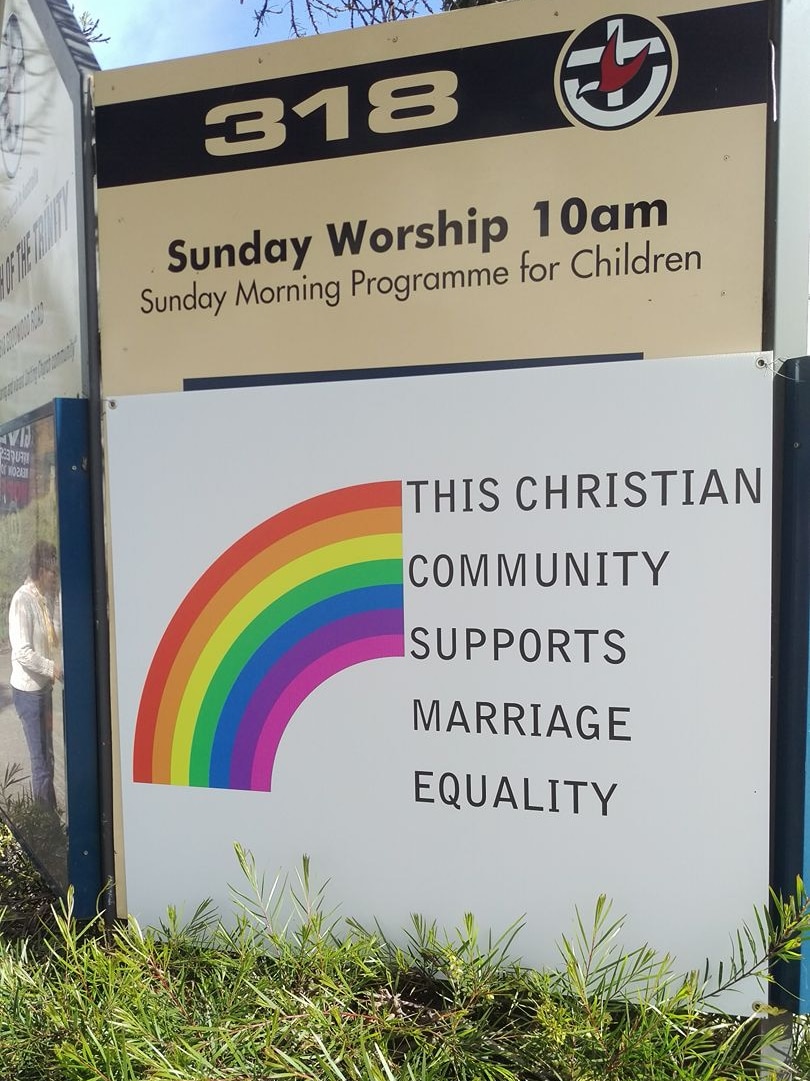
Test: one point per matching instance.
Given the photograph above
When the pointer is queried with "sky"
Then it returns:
(142, 31)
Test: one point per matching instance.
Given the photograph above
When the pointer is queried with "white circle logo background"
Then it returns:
(616, 72)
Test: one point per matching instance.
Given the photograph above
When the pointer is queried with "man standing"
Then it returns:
(34, 627)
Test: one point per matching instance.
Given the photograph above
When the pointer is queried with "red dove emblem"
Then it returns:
(613, 75)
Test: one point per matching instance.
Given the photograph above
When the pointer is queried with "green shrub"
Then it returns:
(290, 991)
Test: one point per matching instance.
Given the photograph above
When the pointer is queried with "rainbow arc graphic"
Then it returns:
(308, 593)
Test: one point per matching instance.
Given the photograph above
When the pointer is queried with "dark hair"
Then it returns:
(43, 557)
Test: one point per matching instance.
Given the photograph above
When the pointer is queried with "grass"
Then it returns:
(26, 899)
(311, 997)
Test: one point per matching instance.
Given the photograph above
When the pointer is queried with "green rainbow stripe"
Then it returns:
(309, 592)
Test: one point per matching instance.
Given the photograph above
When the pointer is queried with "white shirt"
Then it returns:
(33, 649)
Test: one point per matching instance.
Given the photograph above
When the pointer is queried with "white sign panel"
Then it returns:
(495, 641)
(40, 315)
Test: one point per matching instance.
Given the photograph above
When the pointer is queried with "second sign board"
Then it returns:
(511, 182)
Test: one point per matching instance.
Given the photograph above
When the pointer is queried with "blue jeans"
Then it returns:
(35, 710)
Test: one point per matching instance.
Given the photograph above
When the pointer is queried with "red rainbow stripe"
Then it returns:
(281, 580)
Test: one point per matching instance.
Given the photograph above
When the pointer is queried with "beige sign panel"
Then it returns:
(504, 183)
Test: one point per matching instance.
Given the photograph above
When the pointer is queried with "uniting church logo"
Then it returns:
(308, 593)
(616, 71)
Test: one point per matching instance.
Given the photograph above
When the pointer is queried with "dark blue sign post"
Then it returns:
(791, 772)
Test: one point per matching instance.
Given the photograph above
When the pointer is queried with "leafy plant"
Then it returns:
(290, 990)
(39, 828)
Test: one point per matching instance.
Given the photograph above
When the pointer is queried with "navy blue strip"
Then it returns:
(276, 379)
(81, 734)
